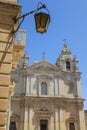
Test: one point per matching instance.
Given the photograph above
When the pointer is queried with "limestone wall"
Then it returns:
(7, 11)
(10, 1)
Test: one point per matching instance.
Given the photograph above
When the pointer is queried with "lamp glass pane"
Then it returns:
(37, 20)
(43, 20)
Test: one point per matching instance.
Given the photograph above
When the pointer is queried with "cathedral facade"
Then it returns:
(47, 96)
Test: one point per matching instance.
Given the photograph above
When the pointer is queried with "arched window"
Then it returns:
(44, 88)
(67, 65)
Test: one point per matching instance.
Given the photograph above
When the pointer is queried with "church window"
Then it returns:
(71, 126)
(44, 88)
(67, 65)
(12, 125)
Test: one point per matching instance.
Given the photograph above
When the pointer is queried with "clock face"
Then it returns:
(69, 77)
(15, 73)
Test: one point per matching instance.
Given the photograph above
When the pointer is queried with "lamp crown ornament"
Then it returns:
(42, 19)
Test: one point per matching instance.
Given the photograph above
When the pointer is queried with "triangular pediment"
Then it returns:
(43, 66)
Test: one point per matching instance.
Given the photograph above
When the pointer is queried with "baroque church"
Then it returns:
(47, 96)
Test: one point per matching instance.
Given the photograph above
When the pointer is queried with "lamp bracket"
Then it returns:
(24, 15)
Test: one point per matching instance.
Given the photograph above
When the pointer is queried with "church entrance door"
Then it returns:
(43, 124)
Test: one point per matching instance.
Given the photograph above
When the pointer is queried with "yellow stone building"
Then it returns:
(47, 96)
(8, 53)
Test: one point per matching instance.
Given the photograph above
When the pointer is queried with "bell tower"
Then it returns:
(70, 78)
(68, 65)
(66, 62)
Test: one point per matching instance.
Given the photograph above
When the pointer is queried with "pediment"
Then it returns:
(43, 66)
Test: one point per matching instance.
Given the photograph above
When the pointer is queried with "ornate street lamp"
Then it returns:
(42, 19)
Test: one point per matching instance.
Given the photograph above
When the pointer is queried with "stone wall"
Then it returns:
(10, 1)
(7, 12)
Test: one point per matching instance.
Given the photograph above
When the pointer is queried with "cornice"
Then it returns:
(7, 8)
(49, 99)
(70, 72)
(42, 104)
(8, 5)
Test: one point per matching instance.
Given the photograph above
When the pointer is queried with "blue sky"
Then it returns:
(68, 21)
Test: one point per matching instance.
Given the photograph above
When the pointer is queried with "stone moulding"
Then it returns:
(9, 8)
(43, 114)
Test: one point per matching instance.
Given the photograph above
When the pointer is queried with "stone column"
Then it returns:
(61, 118)
(22, 116)
(60, 86)
(24, 88)
(31, 119)
(56, 119)
(78, 84)
(27, 86)
(56, 86)
(26, 117)
(81, 118)
(51, 122)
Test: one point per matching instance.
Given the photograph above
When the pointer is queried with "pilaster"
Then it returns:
(60, 86)
(81, 117)
(22, 116)
(78, 85)
(56, 119)
(51, 122)
(61, 125)
(26, 117)
(31, 118)
(27, 86)
(56, 86)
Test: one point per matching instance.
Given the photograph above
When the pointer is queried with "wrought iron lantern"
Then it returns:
(42, 21)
